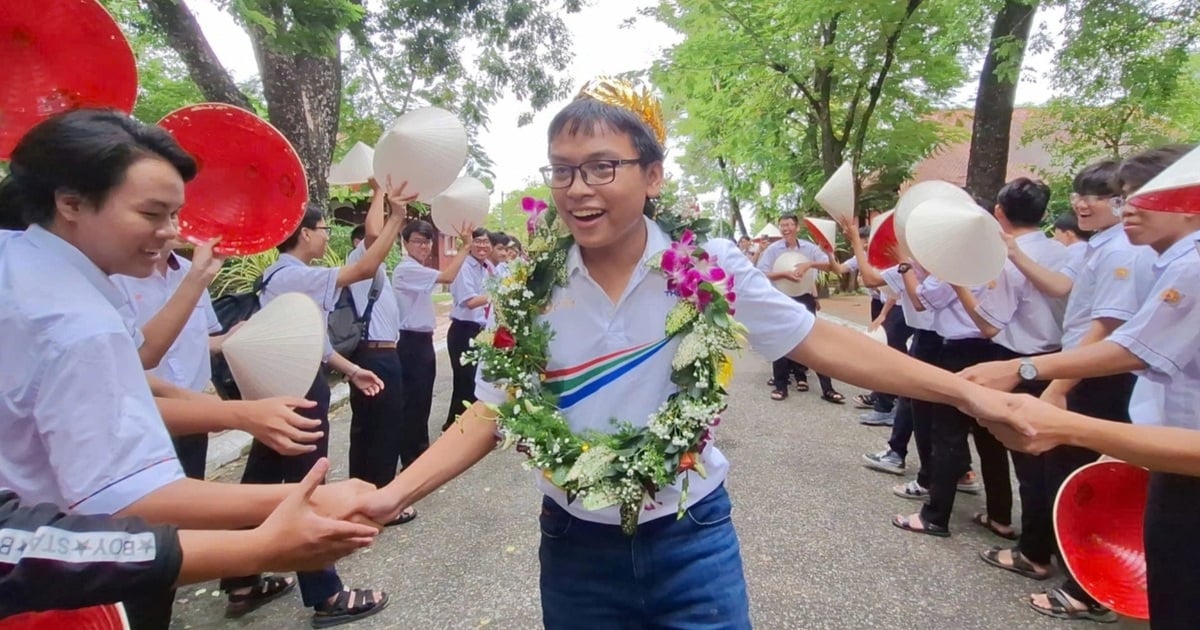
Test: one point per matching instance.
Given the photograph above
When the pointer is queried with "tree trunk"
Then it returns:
(184, 35)
(987, 166)
(734, 205)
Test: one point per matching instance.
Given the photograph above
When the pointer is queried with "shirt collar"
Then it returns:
(290, 260)
(1028, 237)
(656, 241)
(46, 240)
(1105, 236)
(1178, 250)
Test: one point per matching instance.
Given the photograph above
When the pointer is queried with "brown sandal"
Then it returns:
(268, 589)
(348, 606)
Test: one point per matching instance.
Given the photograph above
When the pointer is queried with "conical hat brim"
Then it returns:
(836, 197)
(1099, 524)
(823, 231)
(956, 242)
(769, 231)
(787, 261)
(355, 168)
(882, 241)
(427, 148)
(1176, 189)
(920, 193)
(278, 351)
(464, 203)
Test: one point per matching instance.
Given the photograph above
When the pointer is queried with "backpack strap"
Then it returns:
(372, 296)
(261, 283)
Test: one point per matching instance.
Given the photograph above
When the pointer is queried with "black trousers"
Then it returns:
(898, 332)
(784, 367)
(1106, 398)
(375, 420)
(458, 341)
(1172, 556)
(192, 451)
(952, 456)
(914, 418)
(264, 465)
(418, 364)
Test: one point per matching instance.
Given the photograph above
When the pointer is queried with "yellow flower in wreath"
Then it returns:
(725, 371)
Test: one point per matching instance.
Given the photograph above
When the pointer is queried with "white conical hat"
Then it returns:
(278, 351)
(920, 193)
(465, 202)
(787, 261)
(837, 195)
(1176, 189)
(426, 147)
(356, 167)
(769, 231)
(957, 241)
(879, 334)
(822, 229)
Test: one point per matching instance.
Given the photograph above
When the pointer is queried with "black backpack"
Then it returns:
(231, 310)
(346, 328)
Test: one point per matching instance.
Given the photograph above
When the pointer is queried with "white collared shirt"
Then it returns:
(766, 262)
(874, 292)
(187, 363)
(1165, 334)
(1074, 261)
(413, 284)
(78, 425)
(626, 342)
(921, 320)
(1030, 321)
(318, 283)
(1114, 278)
(471, 282)
(385, 315)
(950, 318)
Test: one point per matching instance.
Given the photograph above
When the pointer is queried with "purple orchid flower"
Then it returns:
(534, 208)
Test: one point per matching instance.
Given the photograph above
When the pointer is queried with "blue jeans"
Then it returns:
(673, 574)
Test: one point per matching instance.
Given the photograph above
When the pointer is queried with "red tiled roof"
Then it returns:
(950, 162)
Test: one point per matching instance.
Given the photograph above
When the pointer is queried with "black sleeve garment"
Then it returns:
(51, 560)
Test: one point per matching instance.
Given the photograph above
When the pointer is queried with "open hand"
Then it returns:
(849, 226)
(367, 382)
(999, 375)
(296, 538)
(273, 422)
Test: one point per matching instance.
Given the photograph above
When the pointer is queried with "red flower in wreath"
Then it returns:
(503, 339)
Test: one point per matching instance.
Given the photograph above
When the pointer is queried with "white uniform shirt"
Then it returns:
(318, 283)
(1074, 260)
(1030, 322)
(187, 363)
(950, 318)
(1165, 334)
(78, 426)
(413, 284)
(874, 292)
(589, 328)
(1114, 278)
(471, 282)
(385, 315)
(920, 320)
(766, 262)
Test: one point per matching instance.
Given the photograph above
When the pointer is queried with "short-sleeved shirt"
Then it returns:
(950, 318)
(290, 275)
(413, 284)
(187, 363)
(1074, 261)
(874, 292)
(1030, 321)
(1114, 278)
(385, 315)
(920, 320)
(766, 262)
(471, 282)
(1165, 333)
(78, 425)
(615, 359)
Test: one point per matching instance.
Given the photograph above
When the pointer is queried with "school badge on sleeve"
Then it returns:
(1172, 297)
(1121, 273)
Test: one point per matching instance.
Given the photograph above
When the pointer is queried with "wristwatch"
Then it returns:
(1028, 371)
(903, 267)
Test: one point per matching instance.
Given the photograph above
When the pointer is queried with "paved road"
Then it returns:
(819, 551)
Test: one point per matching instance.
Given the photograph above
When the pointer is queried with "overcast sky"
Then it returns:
(601, 47)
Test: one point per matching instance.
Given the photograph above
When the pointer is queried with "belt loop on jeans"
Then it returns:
(378, 345)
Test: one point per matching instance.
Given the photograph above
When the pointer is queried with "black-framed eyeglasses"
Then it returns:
(328, 228)
(594, 172)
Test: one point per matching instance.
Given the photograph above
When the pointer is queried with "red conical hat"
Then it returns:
(882, 241)
(250, 189)
(1098, 521)
(59, 55)
(107, 617)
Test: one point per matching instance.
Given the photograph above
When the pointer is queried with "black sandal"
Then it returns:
(801, 386)
(833, 397)
(1020, 564)
(268, 589)
(904, 523)
(405, 517)
(983, 521)
(327, 615)
(778, 394)
(1061, 608)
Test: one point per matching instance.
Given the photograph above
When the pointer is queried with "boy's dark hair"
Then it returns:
(313, 214)
(418, 226)
(515, 244)
(588, 116)
(85, 151)
(1024, 201)
(793, 218)
(1138, 169)
(497, 238)
(1096, 179)
(480, 233)
(1068, 222)
(358, 233)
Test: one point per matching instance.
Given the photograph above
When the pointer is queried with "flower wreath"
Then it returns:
(630, 464)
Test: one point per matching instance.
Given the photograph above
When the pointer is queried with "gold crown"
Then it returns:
(621, 93)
